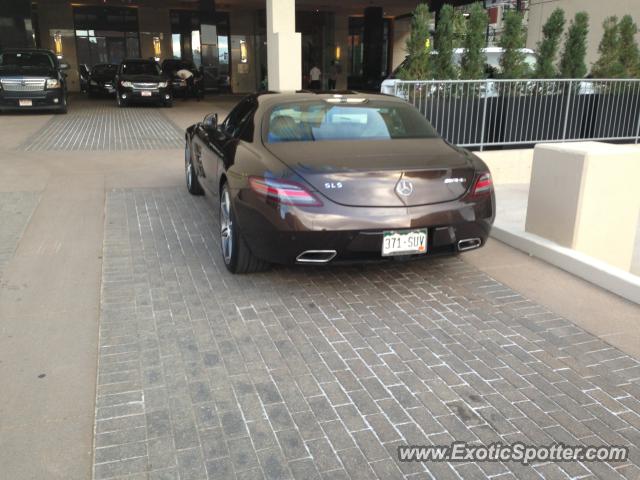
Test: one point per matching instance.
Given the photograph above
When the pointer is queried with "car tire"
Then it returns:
(64, 108)
(193, 184)
(235, 253)
(168, 103)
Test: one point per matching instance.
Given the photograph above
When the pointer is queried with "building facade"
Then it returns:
(354, 40)
(598, 10)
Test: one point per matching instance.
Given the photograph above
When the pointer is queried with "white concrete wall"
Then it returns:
(508, 166)
(583, 196)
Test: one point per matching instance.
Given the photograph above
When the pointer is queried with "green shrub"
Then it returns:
(548, 46)
(419, 64)
(473, 58)
(572, 61)
(608, 64)
(444, 67)
(629, 54)
(512, 61)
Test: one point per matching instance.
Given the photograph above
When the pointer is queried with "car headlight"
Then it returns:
(163, 84)
(126, 84)
(53, 83)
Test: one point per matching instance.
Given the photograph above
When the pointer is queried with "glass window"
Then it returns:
(317, 121)
(223, 50)
(195, 47)
(234, 124)
(26, 60)
(175, 45)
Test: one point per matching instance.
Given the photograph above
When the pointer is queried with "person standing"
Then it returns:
(187, 76)
(333, 75)
(315, 76)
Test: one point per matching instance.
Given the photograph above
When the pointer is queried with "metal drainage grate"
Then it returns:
(107, 128)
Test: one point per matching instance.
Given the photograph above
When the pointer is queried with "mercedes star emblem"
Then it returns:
(404, 188)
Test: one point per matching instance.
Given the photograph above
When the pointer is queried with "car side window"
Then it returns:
(235, 123)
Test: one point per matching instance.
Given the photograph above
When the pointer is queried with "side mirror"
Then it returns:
(210, 122)
(64, 66)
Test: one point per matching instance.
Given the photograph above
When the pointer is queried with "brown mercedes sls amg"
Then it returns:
(312, 178)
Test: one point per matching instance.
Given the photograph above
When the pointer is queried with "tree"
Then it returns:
(473, 57)
(608, 64)
(548, 47)
(444, 68)
(419, 64)
(572, 61)
(512, 40)
(459, 28)
(629, 54)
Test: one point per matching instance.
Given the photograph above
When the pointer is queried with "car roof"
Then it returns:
(139, 60)
(267, 99)
(26, 50)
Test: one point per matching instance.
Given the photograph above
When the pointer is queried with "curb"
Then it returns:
(588, 268)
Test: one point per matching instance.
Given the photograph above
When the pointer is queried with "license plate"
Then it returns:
(145, 94)
(409, 242)
(25, 103)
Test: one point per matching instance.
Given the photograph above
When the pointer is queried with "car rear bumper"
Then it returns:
(41, 100)
(281, 234)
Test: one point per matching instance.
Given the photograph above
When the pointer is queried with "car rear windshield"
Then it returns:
(315, 121)
(140, 68)
(26, 60)
(105, 69)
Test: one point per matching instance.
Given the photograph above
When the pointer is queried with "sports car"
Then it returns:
(319, 178)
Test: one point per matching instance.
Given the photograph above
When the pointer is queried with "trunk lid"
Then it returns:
(377, 173)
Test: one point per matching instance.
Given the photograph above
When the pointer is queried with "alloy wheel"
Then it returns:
(226, 227)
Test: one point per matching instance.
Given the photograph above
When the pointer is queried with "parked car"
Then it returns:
(141, 81)
(306, 178)
(102, 80)
(492, 67)
(179, 87)
(32, 79)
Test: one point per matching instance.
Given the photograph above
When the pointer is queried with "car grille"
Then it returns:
(26, 85)
(145, 86)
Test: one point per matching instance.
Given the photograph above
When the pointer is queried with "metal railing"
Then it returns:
(481, 113)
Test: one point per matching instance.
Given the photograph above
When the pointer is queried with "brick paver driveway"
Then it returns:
(321, 373)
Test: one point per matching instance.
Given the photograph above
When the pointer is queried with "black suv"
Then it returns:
(32, 79)
(102, 79)
(139, 81)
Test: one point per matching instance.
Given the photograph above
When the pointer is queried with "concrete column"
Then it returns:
(284, 47)
(373, 43)
(342, 41)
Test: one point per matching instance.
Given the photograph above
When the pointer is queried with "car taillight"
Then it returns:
(483, 185)
(284, 192)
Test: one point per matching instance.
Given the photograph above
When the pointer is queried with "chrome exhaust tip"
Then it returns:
(316, 256)
(469, 244)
